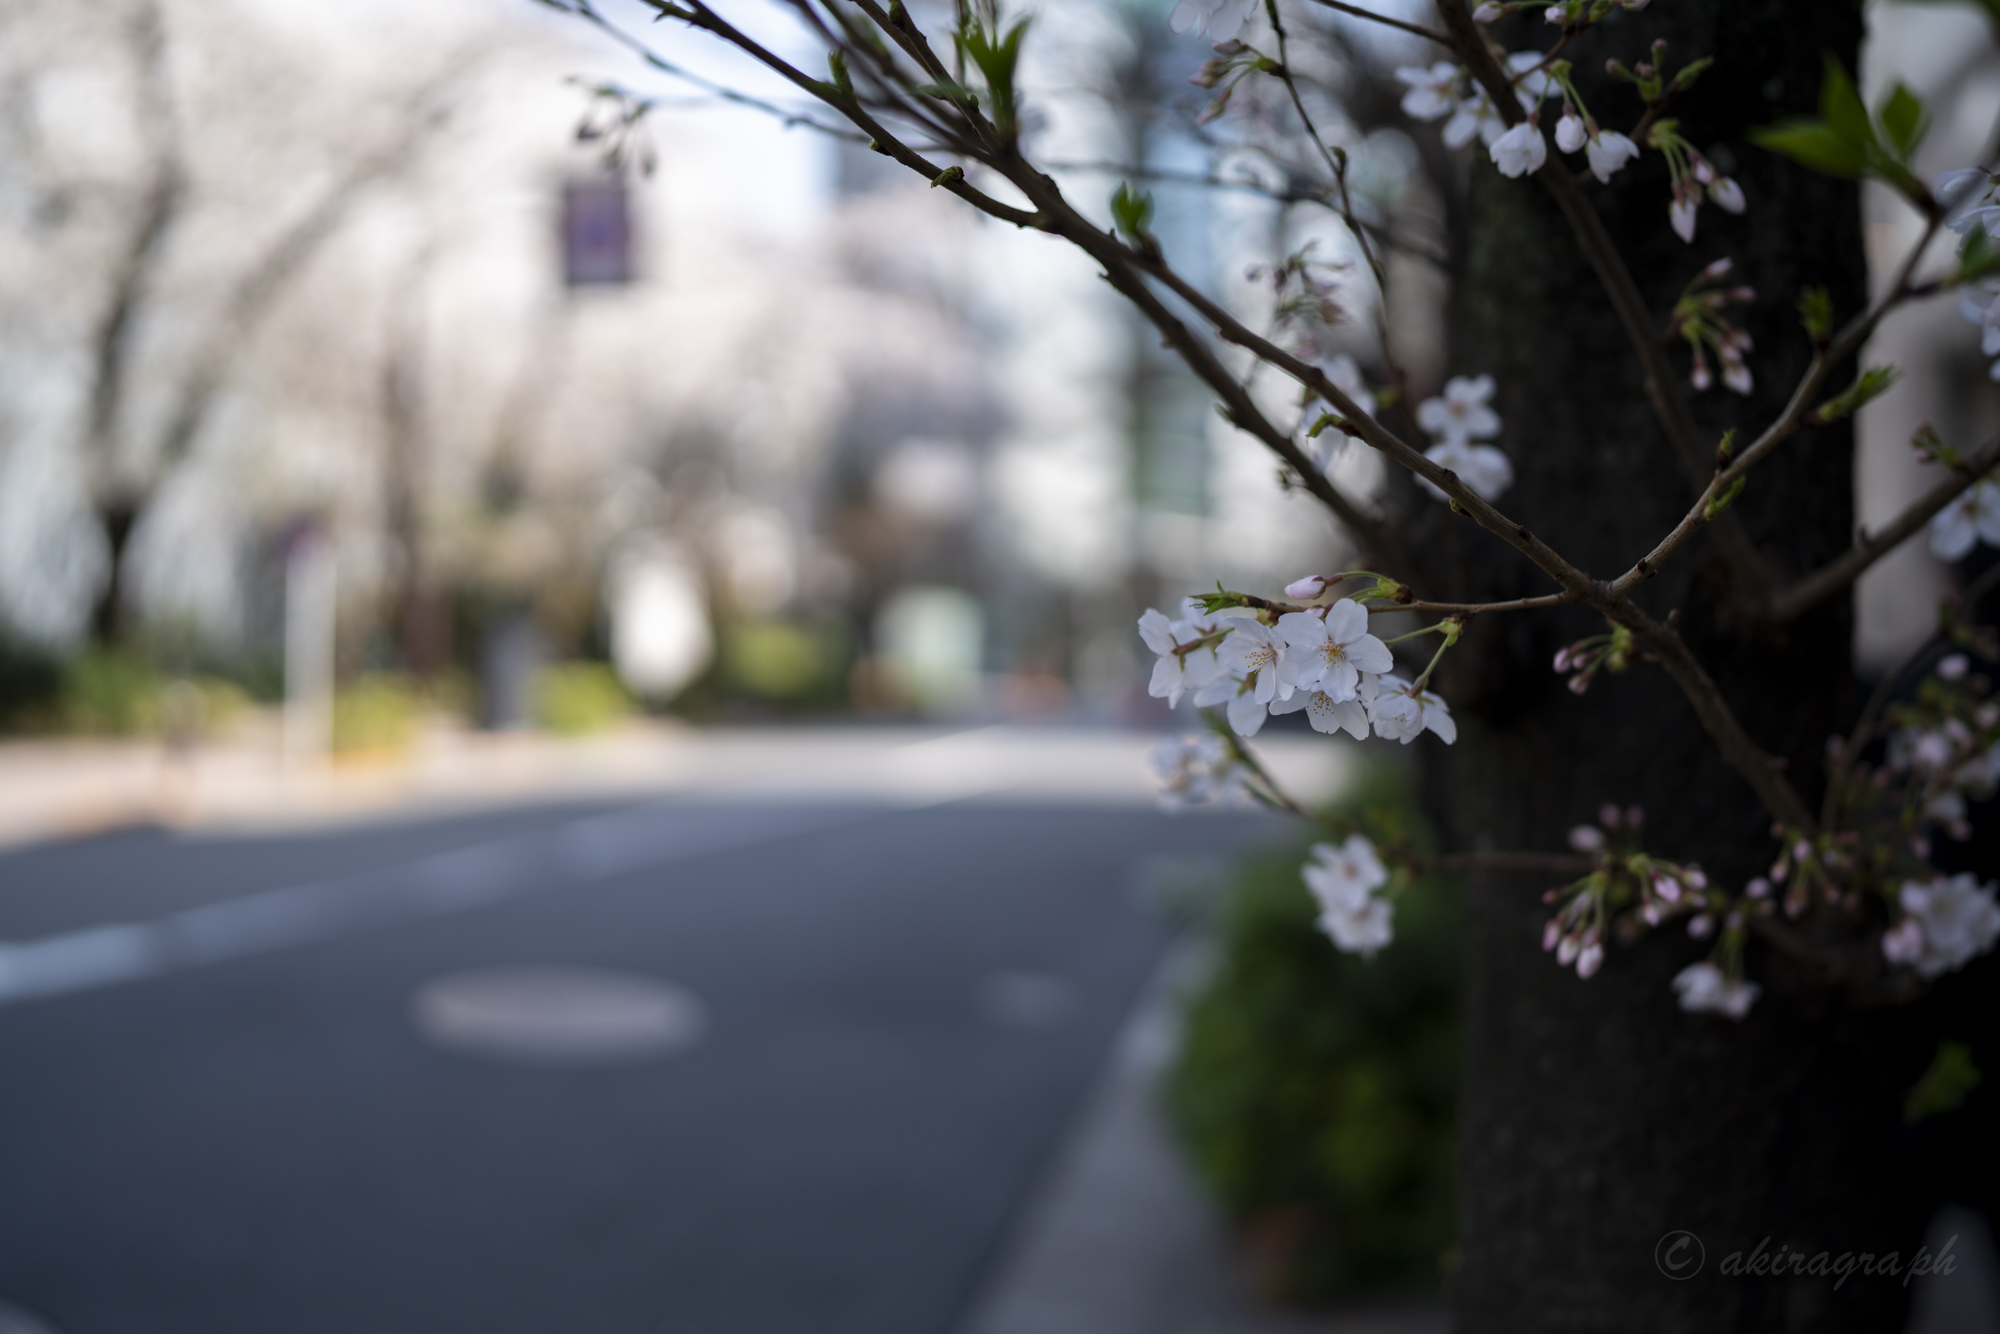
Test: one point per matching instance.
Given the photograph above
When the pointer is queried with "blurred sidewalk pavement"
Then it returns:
(1120, 1239)
(71, 788)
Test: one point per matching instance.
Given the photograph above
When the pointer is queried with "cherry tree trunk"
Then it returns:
(1597, 1118)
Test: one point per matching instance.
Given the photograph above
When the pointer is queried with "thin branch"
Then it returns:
(1430, 34)
(1662, 385)
(1793, 602)
(1878, 699)
(1797, 413)
(1476, 608)
(1128, 269)
(1555, 863)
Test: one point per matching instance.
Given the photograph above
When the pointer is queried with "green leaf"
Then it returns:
(1904, 120)
(837, 63)
(1691, 71)
(1815, 144)
(950, 92)
(1723, 501)
(1870, 384)
(1132, 211)
(1979, 259)
(1816, 313)
(1944, 1086)
(1841, 106)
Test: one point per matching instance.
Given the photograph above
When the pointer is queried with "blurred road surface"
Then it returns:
(221, 1115)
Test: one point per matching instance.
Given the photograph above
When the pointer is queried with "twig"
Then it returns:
(1793, 602)
(1358, 12)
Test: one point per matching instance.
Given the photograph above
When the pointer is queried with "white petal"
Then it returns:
(1157, 631)
(1346, 621)
(1246, 714)
(1370, 654)
(1953, 534)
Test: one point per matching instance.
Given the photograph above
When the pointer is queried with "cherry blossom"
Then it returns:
(1402, 713)
(1484, 469)
(1609, 150)
(1433, 92)
(1196, 770)
(1532, 82)
(1946, 924)
(1462, 412)
(1253, 656)
(1681, 214)
(1178, 671)
(1571, 134)
(1980, 303)
(1972, 518)
(1329, 653)
(1704, 988)
(1968, 196)
(1343, 879)
(1520, 150)
(1327, 714)
(1219, 20)
(1476, 117)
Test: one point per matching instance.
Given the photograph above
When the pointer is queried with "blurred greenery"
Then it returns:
(796, 664)
(577, 698)
(1316, 1090)
(377, 712)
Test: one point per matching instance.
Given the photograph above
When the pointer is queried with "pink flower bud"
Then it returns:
(1589, 961)
(1667, 888)
(1578, 684)
(1562, 659)
(1306, 589)
(1715, 270)
(1726, 193)
(1550, 935)
(1760, 888)
(1801, 850)
(1567, 951)
(1486, 13)
(1651, 912)
(1953, 667)
(1701, 927)
(1586, 838)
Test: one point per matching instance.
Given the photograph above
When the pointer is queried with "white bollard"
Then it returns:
(309, 627)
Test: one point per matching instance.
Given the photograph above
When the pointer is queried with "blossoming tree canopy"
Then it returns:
(948, 105)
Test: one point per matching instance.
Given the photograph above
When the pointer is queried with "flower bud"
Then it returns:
(1953, 667)
(1550, 935)
(1608, 816)
(1589, 961)
(1306, 589)
(1486, 13)
(1586, 838)
(1701, 927)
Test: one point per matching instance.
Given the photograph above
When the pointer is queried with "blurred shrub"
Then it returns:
(378, 712)
(1316, 1090)
(577, 698)
(798, 663)
(108, 693)
(773, 659)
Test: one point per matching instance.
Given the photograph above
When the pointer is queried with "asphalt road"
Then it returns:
(218, 1117)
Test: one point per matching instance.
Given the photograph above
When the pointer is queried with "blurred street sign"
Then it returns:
(596, 233)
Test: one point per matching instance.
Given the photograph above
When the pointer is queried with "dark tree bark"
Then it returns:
(1597, 1117)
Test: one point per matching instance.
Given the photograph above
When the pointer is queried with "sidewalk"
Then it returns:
(71, 788)
(1119, 1238)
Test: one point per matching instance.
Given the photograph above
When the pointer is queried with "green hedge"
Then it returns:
(1316, 1090)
